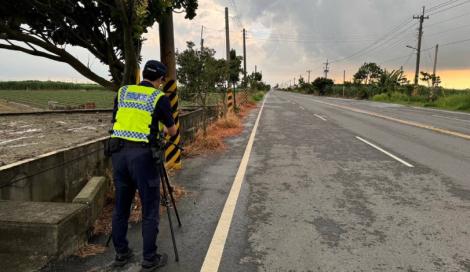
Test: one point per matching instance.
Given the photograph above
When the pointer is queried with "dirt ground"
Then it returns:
(27, 136)
(8, 106)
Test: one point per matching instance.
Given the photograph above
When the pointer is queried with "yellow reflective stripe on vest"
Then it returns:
(136, 105)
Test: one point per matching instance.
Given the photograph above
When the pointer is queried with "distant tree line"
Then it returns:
(47, 85)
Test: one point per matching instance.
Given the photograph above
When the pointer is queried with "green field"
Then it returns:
(40, 98)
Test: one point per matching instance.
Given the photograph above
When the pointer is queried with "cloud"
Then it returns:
(286, 38)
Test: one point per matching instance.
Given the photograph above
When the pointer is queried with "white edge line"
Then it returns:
(214, 253)
(384, 151)
(320, 117)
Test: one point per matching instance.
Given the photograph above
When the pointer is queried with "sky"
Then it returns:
(287, 38)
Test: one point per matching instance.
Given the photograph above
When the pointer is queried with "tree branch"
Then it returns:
(58, 52)
(38, 53)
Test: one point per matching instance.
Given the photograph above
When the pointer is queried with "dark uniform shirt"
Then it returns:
(162, 111)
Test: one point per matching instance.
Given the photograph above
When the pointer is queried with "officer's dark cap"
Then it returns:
(154, 70)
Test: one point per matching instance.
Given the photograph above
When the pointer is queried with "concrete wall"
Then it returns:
(60, 175)
(56, 176)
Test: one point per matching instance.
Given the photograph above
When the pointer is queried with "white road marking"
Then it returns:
(320, 117)
(385, 152)
(216, 248)
(406, 122)
(302, 108)
(451, 118)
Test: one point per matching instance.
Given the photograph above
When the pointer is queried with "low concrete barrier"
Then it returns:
(42, 228)
(93, 196)
(58, 176)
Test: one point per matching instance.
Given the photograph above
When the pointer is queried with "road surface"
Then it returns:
(321, 184)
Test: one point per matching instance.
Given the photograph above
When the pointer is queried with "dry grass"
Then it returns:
(90, 250)
(228, 126)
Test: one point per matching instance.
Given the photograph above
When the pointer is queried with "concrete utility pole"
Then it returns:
(244, 56)
(344, 81)
(168, 57)
(421, 19)
(202, 39)
(256, 68)
(167, 44)
(227, 44)
(326, 68)
(308, 80)
(294, 81)
(435, 66)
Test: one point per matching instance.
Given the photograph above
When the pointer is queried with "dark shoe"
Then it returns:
(160, 261)
(122, 259)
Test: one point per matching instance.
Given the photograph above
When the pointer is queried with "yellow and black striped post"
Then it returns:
(229, 101)
(173, 154)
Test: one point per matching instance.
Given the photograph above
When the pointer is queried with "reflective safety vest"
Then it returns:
(136, 105)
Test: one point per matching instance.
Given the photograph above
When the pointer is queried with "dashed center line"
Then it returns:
(385, 152)
(320, 117)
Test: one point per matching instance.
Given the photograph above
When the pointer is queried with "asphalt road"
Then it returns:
(329, 186)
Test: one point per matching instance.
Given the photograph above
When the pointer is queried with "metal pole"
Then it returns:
(435, 66)
(344, 80)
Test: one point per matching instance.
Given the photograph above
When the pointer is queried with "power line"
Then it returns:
(452, 7)
(450, 19)
(441, 5)
(377, 42)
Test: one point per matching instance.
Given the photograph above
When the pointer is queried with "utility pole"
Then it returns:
(435, 66)
(256, 67)
(344, 80)
(308, 80)
(202, 39)
(244, 57)
(294, 81)
(227, 44)
(326, 68)
(167, 55)
(421, 19)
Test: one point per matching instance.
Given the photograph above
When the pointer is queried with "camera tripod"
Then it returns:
(167, 197)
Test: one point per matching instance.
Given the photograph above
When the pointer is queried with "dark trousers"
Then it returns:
(134, 168)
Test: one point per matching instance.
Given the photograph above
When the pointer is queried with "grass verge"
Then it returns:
(456, 102)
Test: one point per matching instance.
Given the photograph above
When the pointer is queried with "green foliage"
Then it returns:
(235, 66)
(47, 85)
(110, 30)
(199, 73)
(391, 80)
(459, 102)
(368, 73)
(323, 85)
(255, 80)
(258, 96)
(40, 98)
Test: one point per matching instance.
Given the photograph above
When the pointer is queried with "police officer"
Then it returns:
(139, 111)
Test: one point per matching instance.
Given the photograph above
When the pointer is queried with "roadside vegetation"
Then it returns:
(371, 82)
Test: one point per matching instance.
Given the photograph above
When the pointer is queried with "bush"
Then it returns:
(257, 96)
(459, 102)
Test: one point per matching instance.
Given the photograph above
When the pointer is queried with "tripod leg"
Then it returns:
(170, 190)
(167, 204)
(110, 236)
